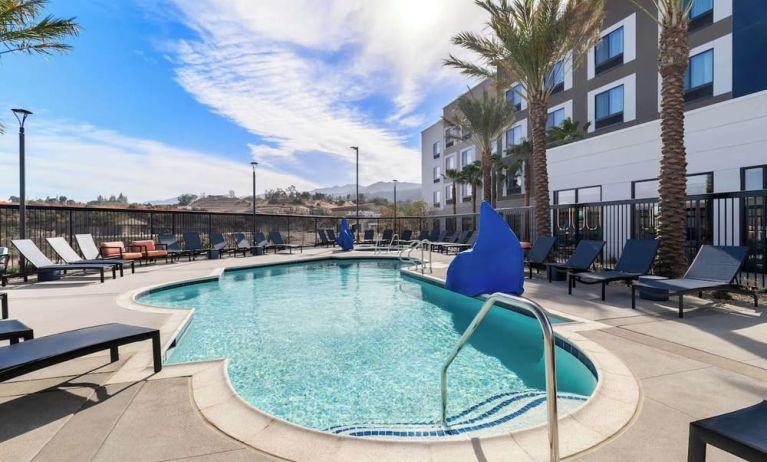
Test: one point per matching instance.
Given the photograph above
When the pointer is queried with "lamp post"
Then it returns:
(254, 164)
(395, 205)
(21, 116)
(357, 183)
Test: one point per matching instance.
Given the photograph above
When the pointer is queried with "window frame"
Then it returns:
(436, 146)
(512, 130)
(763, 167)
(611, 61)
(558, 86)
(515, 91)
(577, 191)
(437, 173)
(550, 113)
(710, 174)
(702, 19)
(611, 118)
(705, 90)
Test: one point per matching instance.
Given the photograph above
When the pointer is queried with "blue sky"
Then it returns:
(163, 97)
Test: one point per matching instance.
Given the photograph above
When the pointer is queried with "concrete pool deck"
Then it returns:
(711, 362)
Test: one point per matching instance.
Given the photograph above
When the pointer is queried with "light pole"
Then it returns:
(254, 164)
(21, 116)
(357, 183)
(395, 205)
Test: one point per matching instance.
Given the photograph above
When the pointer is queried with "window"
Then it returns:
(436, 149)
(578, 195)
(437, 174)
(449, 194)
(514, 96)
(555, 80)
(697, 183)
(753, 178)
(514, 136)
(437, 197)
(467, 157)
(513, 182)
(609, 51)
(450, 163)
(451, 133)
(555, 118)
(701, 13)
(609, 107)
(699, 76)
(466, 191)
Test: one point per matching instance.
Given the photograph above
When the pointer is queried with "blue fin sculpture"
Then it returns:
(495, 264)
(345, 237)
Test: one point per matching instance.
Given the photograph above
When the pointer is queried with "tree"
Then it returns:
(501, 171)
(485, 119)
(520, 156)
(568, 132)
(186, 199)
(526, 42)
(472, 175)
(673, 58)
(21, 31)
(456, 177)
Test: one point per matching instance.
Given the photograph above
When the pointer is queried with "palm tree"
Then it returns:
(456, 177)
(501, 170)
(486, 119)
(526, 42)
(673, 58)
(521, 157)
(21, 31)
(472, 175)
(568, 132)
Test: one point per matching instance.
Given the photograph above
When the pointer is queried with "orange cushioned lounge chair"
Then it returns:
(150, 250)
(117, 249)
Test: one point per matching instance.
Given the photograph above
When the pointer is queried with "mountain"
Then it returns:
(383, 189)
(171, 201)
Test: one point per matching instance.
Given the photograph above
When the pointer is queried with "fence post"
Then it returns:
(71, 227)
(173, 223)
(151, 225)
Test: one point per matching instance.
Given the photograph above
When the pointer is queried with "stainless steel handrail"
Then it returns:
(414, 246)
(548, 350)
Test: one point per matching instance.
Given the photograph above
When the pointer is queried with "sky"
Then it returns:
(163, 97)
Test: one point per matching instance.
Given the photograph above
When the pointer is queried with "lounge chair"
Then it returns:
(466, 242)
(324, 242)
(5, 257)
(279, 244)
(742, 433)
(331, 236)
(42, 352)
(219, 244)
(387, 236)
(637, 259)
(193, 245)
(456, 238)
(369, 236)
(584, 255)
(714, 268)
(91, 252)
(118, 250)
(423, 235)
(4, 305)
(406, 237)
(244, 245)
(150, 250)
(13, 331)
(539, 253)
(70, 257)
(173, 247)
(42, 264)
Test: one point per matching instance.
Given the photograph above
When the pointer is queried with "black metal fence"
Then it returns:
(735, 218)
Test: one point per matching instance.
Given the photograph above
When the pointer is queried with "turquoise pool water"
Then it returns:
(354, 347)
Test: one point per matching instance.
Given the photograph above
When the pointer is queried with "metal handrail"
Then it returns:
(414, 246)
(548, 342)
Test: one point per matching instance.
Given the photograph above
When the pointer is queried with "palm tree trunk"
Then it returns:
(528, 184)
(474, 205)
(455, 199)
(487, 180)
(672, 183)
(538, 122)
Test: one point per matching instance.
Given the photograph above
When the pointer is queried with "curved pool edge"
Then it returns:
(611, 407)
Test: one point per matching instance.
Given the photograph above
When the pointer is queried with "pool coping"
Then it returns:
(608, 411)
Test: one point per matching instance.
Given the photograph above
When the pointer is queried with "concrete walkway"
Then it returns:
(712, 361)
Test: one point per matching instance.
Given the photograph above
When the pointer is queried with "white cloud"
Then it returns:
(295, 71)
(81, 161)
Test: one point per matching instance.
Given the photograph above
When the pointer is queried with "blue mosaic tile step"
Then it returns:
(496, 414)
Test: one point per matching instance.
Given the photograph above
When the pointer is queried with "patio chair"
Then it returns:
(3, 305)
(193, 245)
(118, 250)
(539, 254)
(424, 234)
(584, 255)
(69, 256)
(244, 245)
(5, 257)
(42, 264)
(714, 268)
(455, 239)
(151, 250)
(465, 242)
(407, 236)
(387, 235)
(91, 252)
(368, 237)
(636, 260)
(742, 433)
(331, 236)
(173, 247)
(35, 354)
(324, 242)
(219, 244)
(279, 244)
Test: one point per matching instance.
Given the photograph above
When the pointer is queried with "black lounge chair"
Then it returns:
(407, 236)
(219, 244)
(456, 239)
(91, 252)
(584, 255)
(742, 433)
(4, 305)
(193, 245)
(423, 235)
(466, 242)
(331, 236)
(173, 247)
(714, 268)
(279, 244)
(13, 331)
(387, 236)
(636, 260)
(42, 352)
(539, 253)
(37, 258)
(244, 245)
(324, 242)
(368, 237)
(70, 257)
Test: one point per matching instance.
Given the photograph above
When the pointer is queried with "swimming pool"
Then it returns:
(354, 347)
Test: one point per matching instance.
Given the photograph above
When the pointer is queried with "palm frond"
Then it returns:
(21, 31)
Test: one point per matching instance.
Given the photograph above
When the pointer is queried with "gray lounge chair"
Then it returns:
(193, 245)
(584, 255)
(244, 245)
(637, 259)
(92, 253)
(173, 247)
(37, 258)
(424, 234)
(324, 242)
(35, 354)
(368, 237)
(70, 257)
(279, 244)
(387, 236)
(742, 433)
(714, 268)
(331, 235)
(466, 242)
(219, 244)
(539, 253)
